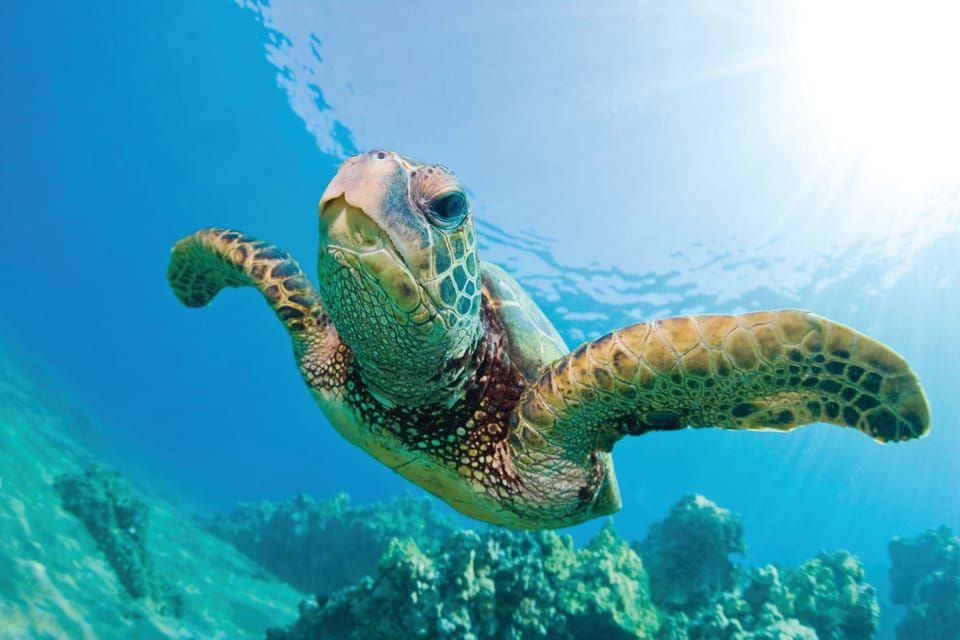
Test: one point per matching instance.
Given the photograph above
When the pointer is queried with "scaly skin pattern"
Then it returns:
(445, 370)
(401, 281)
(771, 370)
(205, 262)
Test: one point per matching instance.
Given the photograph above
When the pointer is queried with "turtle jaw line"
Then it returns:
(371, 269)
(360, 235)
(355, 241)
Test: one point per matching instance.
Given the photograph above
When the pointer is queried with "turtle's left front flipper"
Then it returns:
(767, 370)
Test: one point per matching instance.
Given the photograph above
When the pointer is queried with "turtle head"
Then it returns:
(399, 274)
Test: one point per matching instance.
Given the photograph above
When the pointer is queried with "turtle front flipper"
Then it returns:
(204, 263)
(768, 370)
(207, 261)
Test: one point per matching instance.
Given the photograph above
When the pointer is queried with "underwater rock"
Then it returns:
(925, 576)
(118, 521)
(831, 595)
(759, 608)
(764, 588)
(493, 584)
(687, 554)
(824, 599)
(322, 546)
(503, 584)
(705, 596)
(608, 588)
(713, 623)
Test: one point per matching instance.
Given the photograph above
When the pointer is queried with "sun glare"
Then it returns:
(882, 80)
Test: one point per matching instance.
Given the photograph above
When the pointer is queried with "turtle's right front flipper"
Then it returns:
(207, 261)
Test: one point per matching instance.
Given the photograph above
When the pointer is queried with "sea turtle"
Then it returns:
(443, 368)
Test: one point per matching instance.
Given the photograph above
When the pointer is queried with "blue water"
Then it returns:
(623, 166)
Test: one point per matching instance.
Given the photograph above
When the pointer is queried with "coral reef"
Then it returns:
(607, 588)
(925, 576)
(688, 554)
(759, 608)
(713, 623)
(492, 584)
(517, 585)
(824, 598)
(118, 521)
(322, 546)
(831, 595)
(703, 594)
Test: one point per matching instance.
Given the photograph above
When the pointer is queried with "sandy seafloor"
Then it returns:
(55, 583)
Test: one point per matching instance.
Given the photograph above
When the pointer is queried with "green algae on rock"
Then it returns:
(832, 596)
(705, 596)
(688, 553)
(925, 576)
(760, 607)
(322, 546)
(824, 599)
(608, 588)
(714, 623)
(521, 585)
(493, 584)
(118, 522)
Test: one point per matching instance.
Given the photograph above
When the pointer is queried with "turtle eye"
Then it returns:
(449, 211)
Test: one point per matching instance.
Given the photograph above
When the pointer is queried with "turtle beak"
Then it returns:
(329, 195)
(348, 227)
(327, 212)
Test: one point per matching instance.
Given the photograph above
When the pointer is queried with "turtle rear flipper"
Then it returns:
(767, 370)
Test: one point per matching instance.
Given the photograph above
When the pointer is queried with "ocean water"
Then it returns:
(625, 162)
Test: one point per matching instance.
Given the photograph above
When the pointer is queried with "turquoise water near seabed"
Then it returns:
(613, 170)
